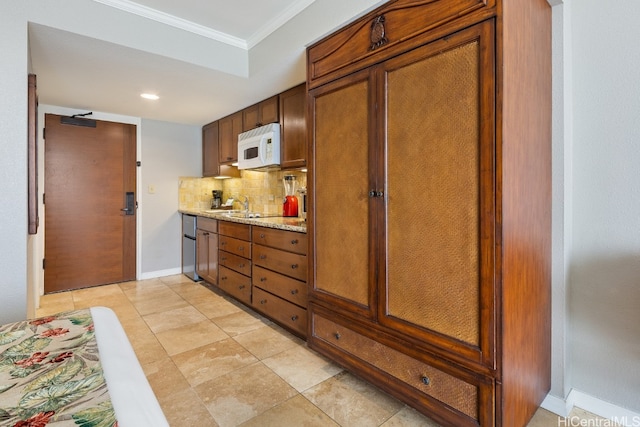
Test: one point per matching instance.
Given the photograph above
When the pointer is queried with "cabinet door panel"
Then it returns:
(435, 226)
(340, 213)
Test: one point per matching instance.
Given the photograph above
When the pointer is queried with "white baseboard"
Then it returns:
(563, 407)
(160, 273)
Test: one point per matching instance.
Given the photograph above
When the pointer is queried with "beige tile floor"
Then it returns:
(213, 362)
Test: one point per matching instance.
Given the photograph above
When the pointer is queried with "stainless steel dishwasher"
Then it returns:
(189, 255)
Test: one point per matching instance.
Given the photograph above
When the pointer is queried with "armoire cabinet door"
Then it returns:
(439, 280)
(341, 180)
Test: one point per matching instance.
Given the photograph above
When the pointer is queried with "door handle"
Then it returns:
(130, 209)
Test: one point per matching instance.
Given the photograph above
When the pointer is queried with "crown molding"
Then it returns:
(271, 26)
(174, 21)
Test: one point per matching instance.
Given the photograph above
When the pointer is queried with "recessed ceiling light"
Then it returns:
(150, 96)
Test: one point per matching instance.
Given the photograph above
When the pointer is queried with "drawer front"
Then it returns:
(235, 262)
(208, 224)
(234, 229)
(280, 239)
(235, 246)
(292, 265)
(285, 287)
(235, 284)
(285, 313)
(420, 376)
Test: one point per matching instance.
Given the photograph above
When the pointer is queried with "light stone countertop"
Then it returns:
(281, 223)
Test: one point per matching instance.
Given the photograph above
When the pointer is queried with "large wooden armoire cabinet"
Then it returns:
(430, 205)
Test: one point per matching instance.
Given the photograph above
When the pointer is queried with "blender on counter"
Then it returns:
(290, 205)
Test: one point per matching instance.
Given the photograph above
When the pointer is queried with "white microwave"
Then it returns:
(260, 148)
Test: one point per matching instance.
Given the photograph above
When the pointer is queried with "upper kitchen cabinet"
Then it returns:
(260, 114)
(433, 120)
(230, 128)
(211, 166)
(210, 146)
(293, 135)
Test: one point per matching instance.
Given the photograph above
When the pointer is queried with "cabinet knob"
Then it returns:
(263, 279)
(241, 248)
(223, 258)
(425, 380)
(241, 287)
(223, 278)
(337, 335)
(263, 301)
(223, 243)
(262, 235)
(240, 265)
(294, 291)
(376, 193)
(294, 266)
(294, 317)
(263, 257)
(294, 242)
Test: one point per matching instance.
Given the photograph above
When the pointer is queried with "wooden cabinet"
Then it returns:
(260, 114)
(442, 264)
(210, 147)
(230, 128)
(293, 135)
(207, 250)
(280, 277)
(211, 154)
(235, 260)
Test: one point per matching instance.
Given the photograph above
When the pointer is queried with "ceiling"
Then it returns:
(204, 58)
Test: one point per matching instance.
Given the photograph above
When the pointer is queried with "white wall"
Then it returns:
(604, 293)
(13, 162)
(169, 150)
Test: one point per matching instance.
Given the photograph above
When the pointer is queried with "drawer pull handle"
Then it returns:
(294, 291)
(294, 242)
(241, 287)
(425, 380)
(241, 248)
(294, 317)
(240, 265)
(262, 235)
(223, 278)
(294, 266)
(263, 257)
(223, 243)
(223, 258)
(337, 335)
(263, 301)
(263, 279)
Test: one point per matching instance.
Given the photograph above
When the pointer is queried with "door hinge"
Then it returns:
(44, 263)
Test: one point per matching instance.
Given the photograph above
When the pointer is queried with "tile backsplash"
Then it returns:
(264, 189)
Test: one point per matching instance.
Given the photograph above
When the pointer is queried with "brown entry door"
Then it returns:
(89, 238)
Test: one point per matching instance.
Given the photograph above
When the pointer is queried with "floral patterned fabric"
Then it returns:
(50, 374)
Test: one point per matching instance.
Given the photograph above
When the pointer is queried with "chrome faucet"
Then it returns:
(246, 203)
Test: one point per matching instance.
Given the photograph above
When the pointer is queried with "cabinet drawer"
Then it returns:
(285, 313)
(292, 265)
(233, 229)
(235, 284)
(208, 224)
(235, 246)
(285, 287)
(235, 262)
(420, 376)
(280, 239)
